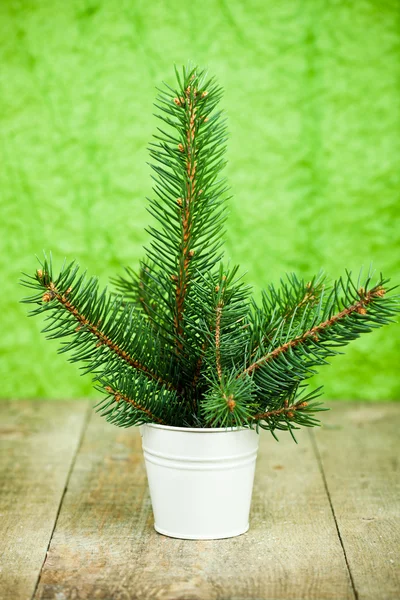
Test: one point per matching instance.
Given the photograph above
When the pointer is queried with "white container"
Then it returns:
(200, 480)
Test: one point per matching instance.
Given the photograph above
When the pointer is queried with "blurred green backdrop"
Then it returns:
(313, 101)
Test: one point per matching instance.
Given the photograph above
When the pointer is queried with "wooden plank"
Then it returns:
(359, 453)
(38, 443)
(105, 547)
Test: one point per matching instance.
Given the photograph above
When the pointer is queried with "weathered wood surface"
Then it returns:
(360, 462)
(323, 521)
(38, 442)
(104, 545)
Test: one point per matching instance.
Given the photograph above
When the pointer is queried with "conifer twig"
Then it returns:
(359, 307)
(187, 252)
(118, 396)
(308, 296)
(54, 294)
(286, 409)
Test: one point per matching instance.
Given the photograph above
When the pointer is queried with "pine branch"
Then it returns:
(105, 336)
(53, 293)
(343, 312)
(291, 302)
(359, 307)
(296, 410)
(229, 402)
(119, 396)
(188, 204)
(135, 400)
(187, 253)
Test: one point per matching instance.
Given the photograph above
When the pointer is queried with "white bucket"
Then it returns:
(200, 480)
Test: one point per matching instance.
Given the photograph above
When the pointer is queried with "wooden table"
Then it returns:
(76, 520)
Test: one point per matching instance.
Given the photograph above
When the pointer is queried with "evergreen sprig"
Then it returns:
(181, 342)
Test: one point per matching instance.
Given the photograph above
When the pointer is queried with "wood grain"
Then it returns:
(38, 443)
(359, 455)
(105, 547)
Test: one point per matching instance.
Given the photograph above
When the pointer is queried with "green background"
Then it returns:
(312, 94)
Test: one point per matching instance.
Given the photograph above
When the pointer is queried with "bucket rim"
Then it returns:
(198, 429)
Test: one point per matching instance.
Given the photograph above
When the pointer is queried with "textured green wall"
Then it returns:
(313, 101)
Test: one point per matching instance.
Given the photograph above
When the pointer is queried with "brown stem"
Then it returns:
(366, 298)
(218, 340)
(187, 253)
(308, 296)
(53, 293)
(120, 396)
(289, 410)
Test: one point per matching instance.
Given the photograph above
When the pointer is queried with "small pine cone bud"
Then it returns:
(179, 201)
(231, 403)
(286, 403)
(174, 278)
(181, 148)
(99, 344)
(177, 102)
(78, 328)
(191, 253)
(69, 290)
(204, 94)
(117, 397)
(205, 119)
(109, 389)
(361, 291)
(302, 405)
(47, 296)
(217, 288)
(361, 310)
(380, 292)
(290, 414)
(39, 273)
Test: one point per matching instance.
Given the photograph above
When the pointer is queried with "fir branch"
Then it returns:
(106, 336)
(54, 294)
(120, 396)
(187, 253)
(132, 400)
(229, 402)
(189, 204)
(285, 410)
(358, 307)
(292, 301)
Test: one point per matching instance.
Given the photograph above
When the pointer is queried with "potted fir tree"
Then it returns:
(183, 350)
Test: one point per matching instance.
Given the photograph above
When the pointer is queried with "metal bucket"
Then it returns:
(200, 480)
